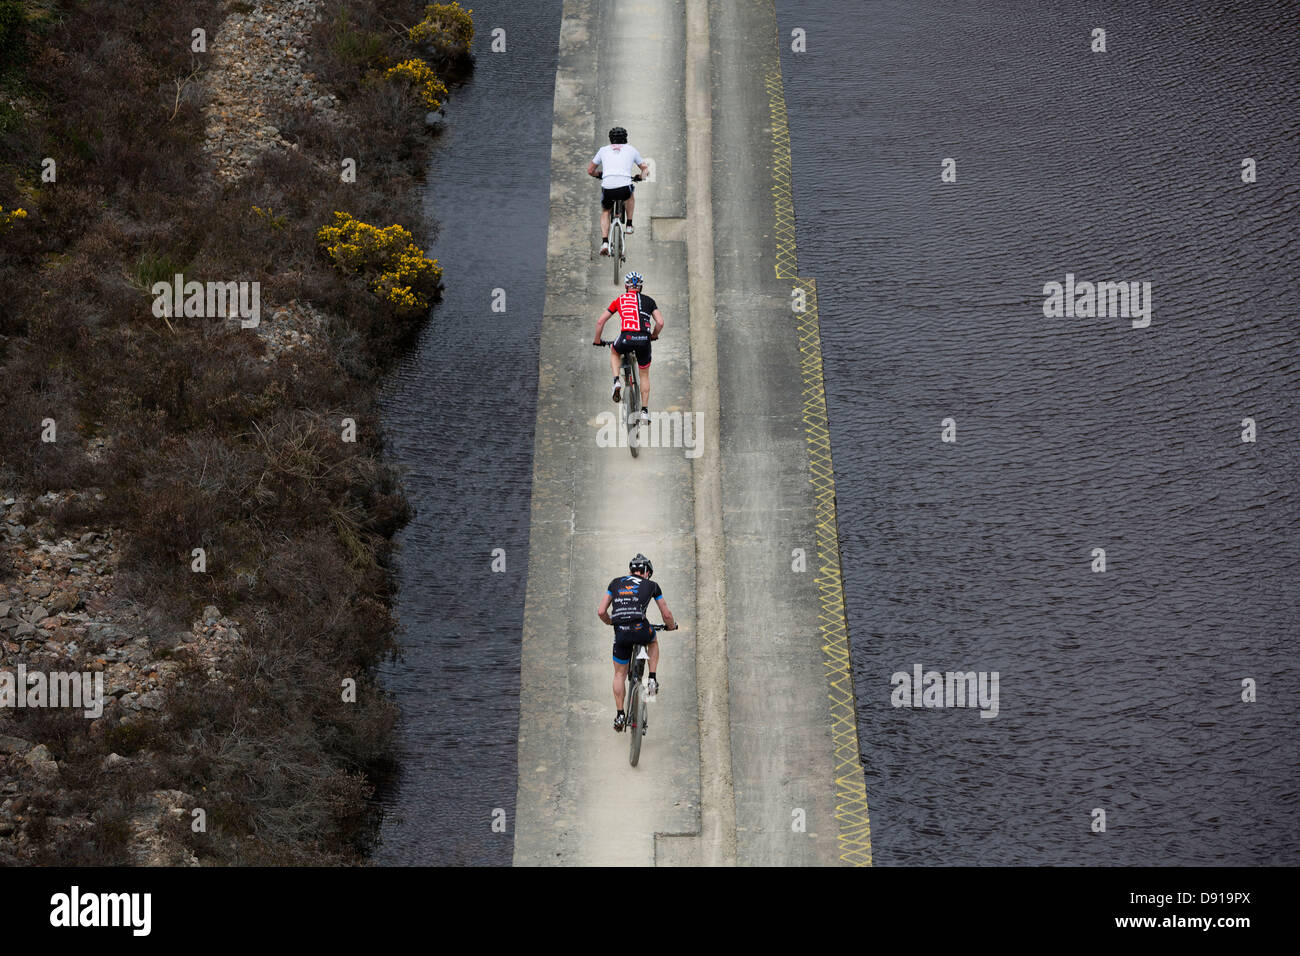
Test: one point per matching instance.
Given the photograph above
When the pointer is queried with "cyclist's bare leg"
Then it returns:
(645, 387)
(604, 224)
(630, 205)
(620, 675)
(615, 361)
(654, 657)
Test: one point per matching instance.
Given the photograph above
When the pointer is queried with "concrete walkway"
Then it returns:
(748, 758)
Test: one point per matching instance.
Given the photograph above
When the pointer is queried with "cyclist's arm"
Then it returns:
(645, 169)
(602, 612)
(593, 170)
(668, 615)
(659, 325)
(600, 326)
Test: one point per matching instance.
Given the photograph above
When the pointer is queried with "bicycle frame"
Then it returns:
(618, 232)
(636, 670)
(617, 238)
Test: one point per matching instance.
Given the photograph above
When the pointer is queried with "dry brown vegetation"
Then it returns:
(209, 444)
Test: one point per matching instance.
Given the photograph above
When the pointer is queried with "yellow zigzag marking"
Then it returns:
(850, 791)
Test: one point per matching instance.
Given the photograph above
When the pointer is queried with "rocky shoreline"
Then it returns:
(259, 57)
(60, 613)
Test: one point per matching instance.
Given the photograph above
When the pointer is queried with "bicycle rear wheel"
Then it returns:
(616, 246)
(632, 404)
(635, 706)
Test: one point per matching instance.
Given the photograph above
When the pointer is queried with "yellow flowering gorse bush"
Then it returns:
(7, 219)
(422, 77)
(446, 27)
(397, 269)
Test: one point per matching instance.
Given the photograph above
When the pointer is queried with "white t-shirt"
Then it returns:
(618, 163)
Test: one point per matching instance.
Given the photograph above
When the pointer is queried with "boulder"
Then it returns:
(40, 760)
(64, 602)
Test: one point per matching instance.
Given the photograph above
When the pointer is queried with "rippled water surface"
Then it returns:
(1118, 690)
(459, 418)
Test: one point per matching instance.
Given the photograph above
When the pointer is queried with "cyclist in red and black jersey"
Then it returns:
(636, 312)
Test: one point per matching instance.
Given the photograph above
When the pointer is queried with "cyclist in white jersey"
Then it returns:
(613, 165)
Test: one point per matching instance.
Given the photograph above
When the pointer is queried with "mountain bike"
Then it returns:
(637, 704)
(617, 241)
(618, 236)
(631, 388)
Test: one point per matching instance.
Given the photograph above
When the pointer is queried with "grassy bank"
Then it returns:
(186, 433)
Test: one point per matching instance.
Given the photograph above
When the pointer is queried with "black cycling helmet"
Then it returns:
(641, 561)
(618, 135)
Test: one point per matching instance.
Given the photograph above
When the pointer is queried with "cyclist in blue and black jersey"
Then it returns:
(623, 606)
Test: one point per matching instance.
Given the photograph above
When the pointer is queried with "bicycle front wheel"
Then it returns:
(635, 709)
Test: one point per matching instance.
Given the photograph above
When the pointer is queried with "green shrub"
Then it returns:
(359, 49)
(156, 267)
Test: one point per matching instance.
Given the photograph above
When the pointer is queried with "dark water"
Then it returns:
(459, 417)
(1118, 690)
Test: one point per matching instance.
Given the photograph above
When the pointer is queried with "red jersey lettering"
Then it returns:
(628, 306)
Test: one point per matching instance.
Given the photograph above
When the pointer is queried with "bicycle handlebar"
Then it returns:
(664, 627)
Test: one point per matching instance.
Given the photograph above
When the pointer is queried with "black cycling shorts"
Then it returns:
(638, 342)
(627, 637)
(607, 196)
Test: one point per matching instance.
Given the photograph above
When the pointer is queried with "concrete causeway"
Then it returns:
(751, 756)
